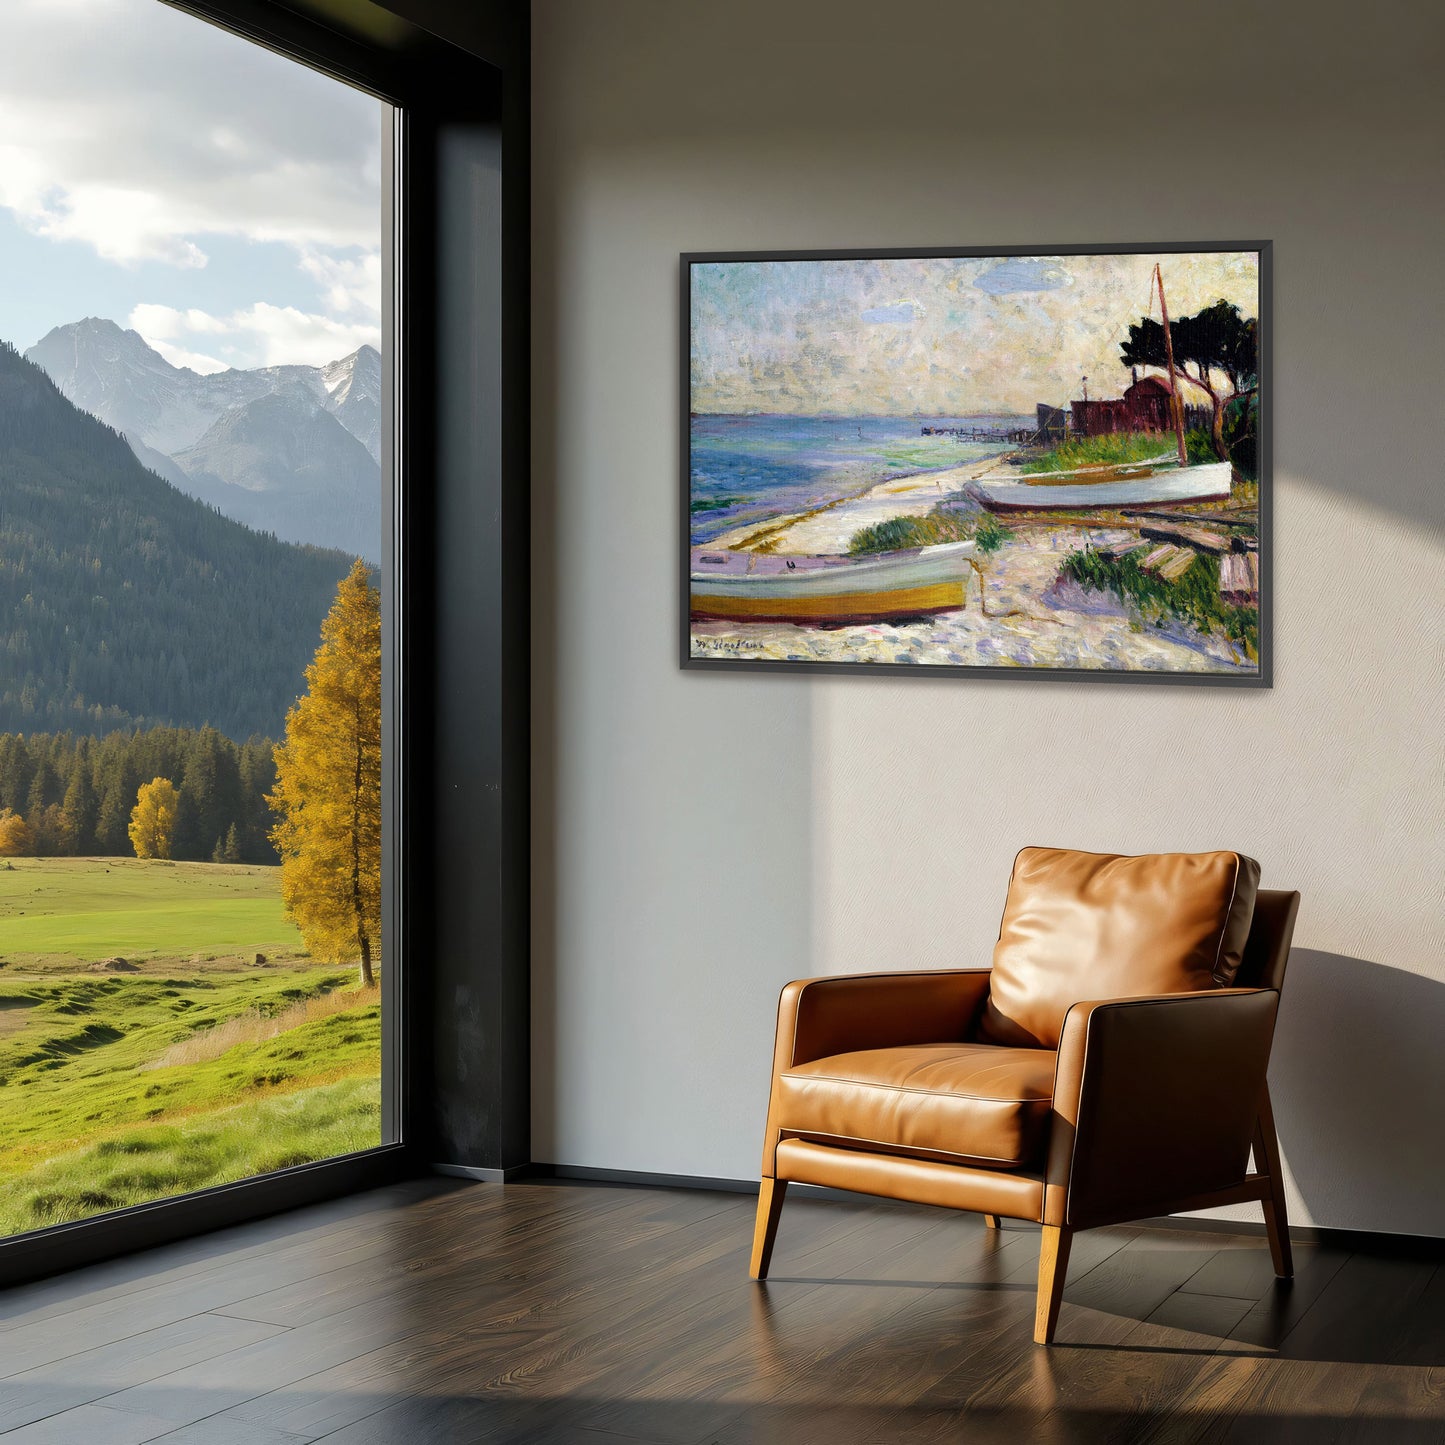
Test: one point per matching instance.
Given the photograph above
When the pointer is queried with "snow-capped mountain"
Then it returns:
(283, 464)
(276, 468)
(353, 386)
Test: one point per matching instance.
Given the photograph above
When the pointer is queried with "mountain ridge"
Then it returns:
(123, 601)
(235, 464)
(165, 412)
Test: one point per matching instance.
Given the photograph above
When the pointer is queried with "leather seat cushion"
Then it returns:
(965, 1103)
(1080, 926)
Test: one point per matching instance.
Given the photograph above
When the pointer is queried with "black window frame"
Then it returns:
(455, 1055)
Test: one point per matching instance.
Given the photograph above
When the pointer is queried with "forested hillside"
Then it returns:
(124, 602)
(74, 795)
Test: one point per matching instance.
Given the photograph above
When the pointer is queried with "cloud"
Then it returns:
(349, 285)
(257, 335)
(140, 131)
(895, 313)
(1023, 274)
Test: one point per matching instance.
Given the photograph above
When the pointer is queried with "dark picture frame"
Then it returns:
(725, 643)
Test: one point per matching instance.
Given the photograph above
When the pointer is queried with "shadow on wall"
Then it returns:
(1358, 1083)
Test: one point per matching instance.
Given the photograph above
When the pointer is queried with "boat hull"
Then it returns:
(818, 591)
(1207, 483)
(841, 610)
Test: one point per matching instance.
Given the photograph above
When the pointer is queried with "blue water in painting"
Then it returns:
(748, 468)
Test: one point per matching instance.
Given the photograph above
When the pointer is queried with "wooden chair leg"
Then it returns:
(1266, 1160)
(1053, 1266)
(765, 1230)
(991, 1221)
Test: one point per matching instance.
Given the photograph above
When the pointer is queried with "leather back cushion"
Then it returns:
(1082, 926)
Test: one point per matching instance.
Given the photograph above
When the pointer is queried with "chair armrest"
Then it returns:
(819, 1017)
(1155, 1101)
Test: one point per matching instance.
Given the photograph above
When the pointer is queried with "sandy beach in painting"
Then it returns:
(1019, 611)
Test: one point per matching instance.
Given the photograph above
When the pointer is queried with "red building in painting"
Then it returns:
(1143, 407)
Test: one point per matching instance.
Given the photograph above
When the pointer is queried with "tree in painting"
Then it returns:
(1217, 341)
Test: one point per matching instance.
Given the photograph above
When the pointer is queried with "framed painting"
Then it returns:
(1038, 462)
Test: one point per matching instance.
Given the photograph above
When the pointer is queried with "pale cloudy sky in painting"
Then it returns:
(155, 170)
(934, 337)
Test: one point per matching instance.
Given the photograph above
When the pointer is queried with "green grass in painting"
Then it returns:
(1120, 448)
(938, 526)
(199, 1068)
(91, 908)
(140, 1164)
(1193, 598)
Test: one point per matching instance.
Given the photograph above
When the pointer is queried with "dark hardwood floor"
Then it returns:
(548, 1312)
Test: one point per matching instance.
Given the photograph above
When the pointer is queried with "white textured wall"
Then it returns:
(702, 839)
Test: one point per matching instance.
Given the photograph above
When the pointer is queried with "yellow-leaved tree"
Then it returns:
(153, 819)
(328, 785)
(14, 834)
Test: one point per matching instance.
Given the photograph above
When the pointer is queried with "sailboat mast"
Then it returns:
(1175, 405)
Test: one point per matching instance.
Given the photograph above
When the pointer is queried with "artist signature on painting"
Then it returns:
(725, 644)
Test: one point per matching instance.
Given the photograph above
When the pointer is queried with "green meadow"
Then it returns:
(70, 911)
(162, 1030)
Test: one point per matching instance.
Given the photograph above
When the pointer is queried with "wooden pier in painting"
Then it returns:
(997, 436)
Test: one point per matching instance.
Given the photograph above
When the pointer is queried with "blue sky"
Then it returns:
(157, 171)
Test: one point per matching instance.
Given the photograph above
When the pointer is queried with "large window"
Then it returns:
(192, 566)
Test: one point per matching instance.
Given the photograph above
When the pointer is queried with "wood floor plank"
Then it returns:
(225, 1250)
(1358, 1314)
(443, 1255)
(212, 1385)
(1332, 1376)
(534, 1315)
(92, 1326)
(1204, 1317)
(95, 1374)
(581, 1363)
(1109, 1371)
(1244, 1271)
(569, 1312)
(1421, 1330)
(972, 1327)
(92, 1425)
(219, 1430)
(321, 1403)
(1286, 1302)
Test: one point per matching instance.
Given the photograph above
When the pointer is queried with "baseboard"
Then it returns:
(484, 1176)
(641, 1179)
(1363, 1241)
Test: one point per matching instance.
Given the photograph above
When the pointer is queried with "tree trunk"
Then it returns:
(1216, 428)
(368, 979)
(1217, 431)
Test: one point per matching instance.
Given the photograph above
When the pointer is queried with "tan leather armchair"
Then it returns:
(1110, 1066)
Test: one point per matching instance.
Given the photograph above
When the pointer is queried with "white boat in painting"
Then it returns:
(1159, 488)
(762, 587)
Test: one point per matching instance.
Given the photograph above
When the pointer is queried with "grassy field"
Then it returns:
(78, 910)
(197, 1066)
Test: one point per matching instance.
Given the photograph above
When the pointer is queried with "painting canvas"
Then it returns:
(1043, 463)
